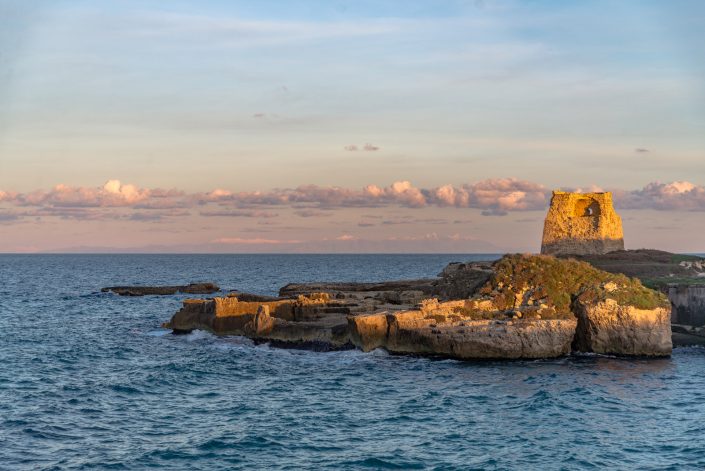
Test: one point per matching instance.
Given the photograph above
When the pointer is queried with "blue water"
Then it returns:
(88, 380)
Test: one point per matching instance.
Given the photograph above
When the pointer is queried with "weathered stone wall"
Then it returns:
(581, 224)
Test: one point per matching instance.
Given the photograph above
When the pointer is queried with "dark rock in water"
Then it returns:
(253, 297)
(521, 306)
(686, 335)
(192, 288)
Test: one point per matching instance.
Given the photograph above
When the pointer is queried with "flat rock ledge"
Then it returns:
(528, 307)
(192, 288)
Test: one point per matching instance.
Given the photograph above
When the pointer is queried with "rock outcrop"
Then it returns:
(526, 307)
(681, 277)
(192, 288)
(581, 224)
(417, 332)
(456, 281)
(610, 328)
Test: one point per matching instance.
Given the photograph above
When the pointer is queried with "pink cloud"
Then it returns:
(679, 195)
(240, 213)
(493, 197)
(111, 194)
(310, 213)
(346, 237)
(255, 241)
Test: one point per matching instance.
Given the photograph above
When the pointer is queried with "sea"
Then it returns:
(90, 381)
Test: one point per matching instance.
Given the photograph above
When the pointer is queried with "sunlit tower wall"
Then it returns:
(581, 224)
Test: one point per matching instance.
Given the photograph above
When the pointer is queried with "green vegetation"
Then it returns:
(662, 282)
(678, 258)
(478, 314)
(557, 282)
(655, 268)
(526, 314)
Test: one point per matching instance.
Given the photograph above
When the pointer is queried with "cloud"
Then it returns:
(641, 150)
(429, 236)
(412, 220)
(157, 215)
(7, 196)
(255, 241)
(499, 194)
(528, 220)
(401, 192)
(492, 197)
(507, 194)
(310, 213)
(9, 216)
(235, 32)
(146, 217)
(366, 148)
(678, 196)
(111, 194)
(396, 222)
(240, 214)
(494, 212)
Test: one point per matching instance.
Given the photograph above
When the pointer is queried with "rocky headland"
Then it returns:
(584, 294)
(521, 306)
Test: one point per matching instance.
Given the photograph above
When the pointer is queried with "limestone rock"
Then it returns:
(529, 307)
(610, 328)
(484, 339)
(262, 323)
(368, 331)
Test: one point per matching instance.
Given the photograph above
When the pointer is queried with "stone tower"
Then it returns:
(581, 224)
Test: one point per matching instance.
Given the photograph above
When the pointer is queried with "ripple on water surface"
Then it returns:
(90, 381)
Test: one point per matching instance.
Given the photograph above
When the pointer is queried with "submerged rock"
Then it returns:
(192, 288)
(525, 307)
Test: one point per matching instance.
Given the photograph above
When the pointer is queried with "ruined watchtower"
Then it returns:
(581, 224)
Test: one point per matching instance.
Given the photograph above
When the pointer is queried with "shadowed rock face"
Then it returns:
(688, 304)
(528, 307)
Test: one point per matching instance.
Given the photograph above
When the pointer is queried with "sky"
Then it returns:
(345, 126)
